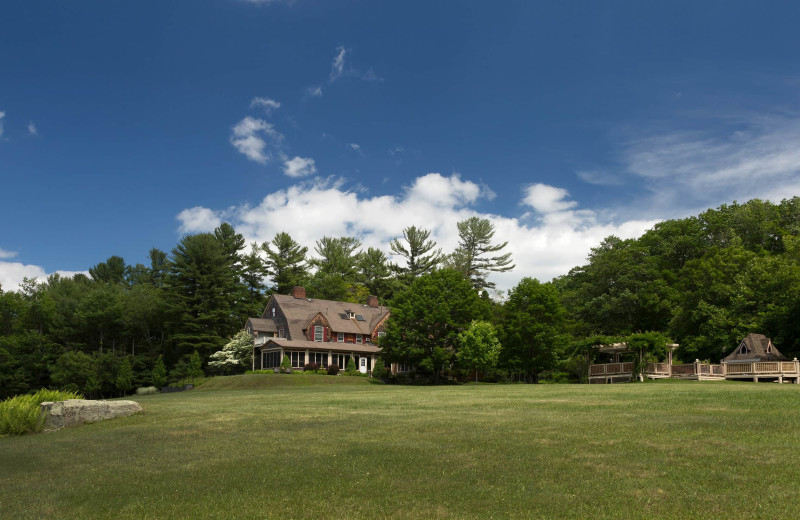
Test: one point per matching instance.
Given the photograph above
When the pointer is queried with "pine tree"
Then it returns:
(285, 263)
(470, 258)
(418, 250)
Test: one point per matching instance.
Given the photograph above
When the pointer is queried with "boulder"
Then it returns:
(74, 412)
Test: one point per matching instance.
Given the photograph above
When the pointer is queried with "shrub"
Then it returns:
(22, 413)
(333, 370)
(286, 365)
(146, 390)
(379, 370)
(351, 367)
(311, 367)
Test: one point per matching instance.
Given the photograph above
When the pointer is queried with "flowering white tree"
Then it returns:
(236, 354)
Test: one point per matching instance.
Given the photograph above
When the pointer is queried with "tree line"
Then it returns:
(704, 282)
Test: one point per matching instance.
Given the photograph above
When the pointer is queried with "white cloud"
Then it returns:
(598, 177)
(2, 115)
(310, 210)
(13, 273)
(337, 67)
(7, 254)
(314, 91)
(265, 103)
(32, 128)
(299, 167)
(355, 146)
(547, 199)
(753, 156)
(198, 220)
(251, 136)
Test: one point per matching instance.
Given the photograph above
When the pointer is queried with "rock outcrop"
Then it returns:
(73, 412)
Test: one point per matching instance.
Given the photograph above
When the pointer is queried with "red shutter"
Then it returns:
(324, 333)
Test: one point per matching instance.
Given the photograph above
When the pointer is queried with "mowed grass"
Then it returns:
(273, 446)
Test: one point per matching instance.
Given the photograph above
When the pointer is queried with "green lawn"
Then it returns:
(324, 447)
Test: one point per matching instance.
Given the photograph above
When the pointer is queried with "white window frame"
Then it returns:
(319, 332)
(340, 337)
(359, 338)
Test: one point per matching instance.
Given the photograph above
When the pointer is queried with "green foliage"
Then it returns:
(473, 256)
(379, 371)
(195, 366)
(533, 323)
(124, 379)
(479, 348)
(427, 319)
(22, 413)
(418, 250)
(351, 367)
(159, 374)
(286, 364)
(76, 369)
(333, 370)
(285, 263)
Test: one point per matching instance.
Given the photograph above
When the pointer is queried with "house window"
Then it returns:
(273, 312)
(271, 360)
(319, 332)
(298, 359)
(340, 337)
(403, 367)
(281, 333)
(340, 360)
(363, 362)
(367, 339)
(320, 358)
(358, 338)
(381, 334)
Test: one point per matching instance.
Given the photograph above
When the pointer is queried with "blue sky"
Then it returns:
(125, 125)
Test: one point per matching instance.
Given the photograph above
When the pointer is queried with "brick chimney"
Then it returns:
(372, 300)
(299, 292)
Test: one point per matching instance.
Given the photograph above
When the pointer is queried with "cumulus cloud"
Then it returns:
(7, 254)
(254, 138)
(547, 199)
(312, 209)
(198, 219)
(299, 167)
(13, 273)
(267, 104)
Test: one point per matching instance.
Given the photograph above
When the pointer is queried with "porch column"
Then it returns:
(669, 362)
(307, 360)
(329, 357)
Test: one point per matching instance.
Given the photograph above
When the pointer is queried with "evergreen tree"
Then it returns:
(375, 274)
(159, 374)
(470, 257)
(201, 290)
(285, 263)
(114, 271)
(124, 379)
(418, 250)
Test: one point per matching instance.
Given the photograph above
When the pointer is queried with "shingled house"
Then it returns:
(309, 330)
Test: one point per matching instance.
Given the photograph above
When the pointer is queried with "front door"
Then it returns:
(362, 364)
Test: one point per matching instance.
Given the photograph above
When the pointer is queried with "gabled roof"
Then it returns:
(755, 347)
(300, 311)
(262, 325)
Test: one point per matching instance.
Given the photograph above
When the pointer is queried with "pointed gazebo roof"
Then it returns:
(755, 347)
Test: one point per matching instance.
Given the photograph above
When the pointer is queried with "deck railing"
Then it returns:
(608, 369)
(658, 369)
(761, 368)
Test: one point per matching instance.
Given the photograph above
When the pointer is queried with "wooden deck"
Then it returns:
(778, 371)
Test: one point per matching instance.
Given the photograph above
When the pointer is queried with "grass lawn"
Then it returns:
(263, 446)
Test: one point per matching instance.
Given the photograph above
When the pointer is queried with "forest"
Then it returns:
(704, 282)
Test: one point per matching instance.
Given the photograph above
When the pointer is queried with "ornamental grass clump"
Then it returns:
(22, 413)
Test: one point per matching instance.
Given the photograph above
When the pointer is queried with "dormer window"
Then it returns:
(743, 349)
(273, 312)
(351, 314)
(319, 333)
